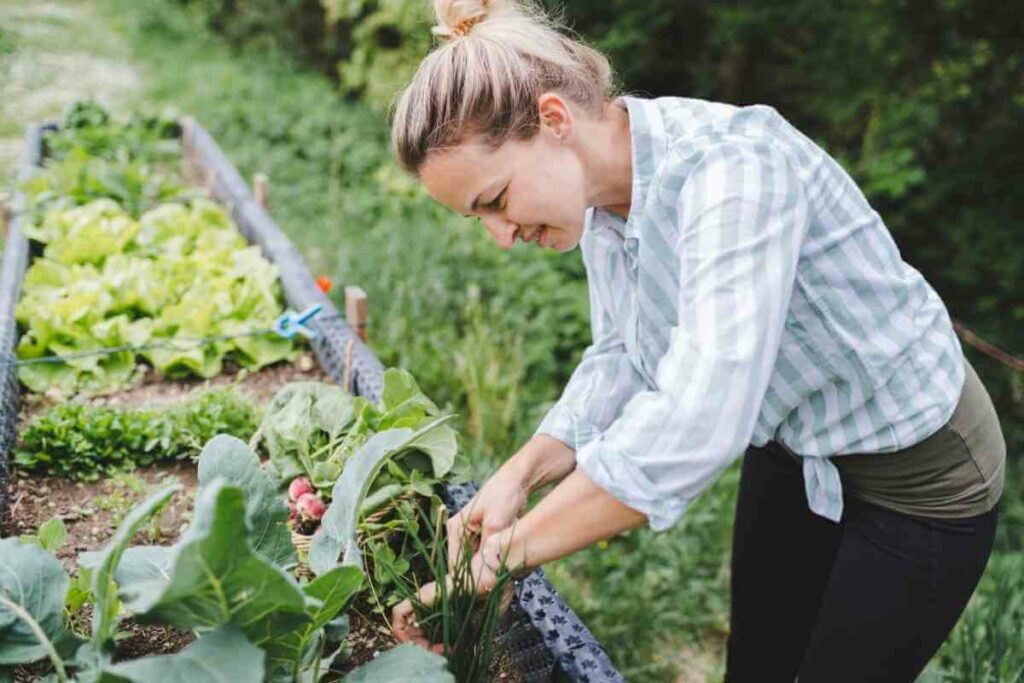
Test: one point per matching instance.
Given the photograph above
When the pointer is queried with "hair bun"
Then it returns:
(455, 18)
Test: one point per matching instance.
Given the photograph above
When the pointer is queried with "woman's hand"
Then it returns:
(503, 497)
(484, 570)
(574, 515)
(492, 510)
(487, 522)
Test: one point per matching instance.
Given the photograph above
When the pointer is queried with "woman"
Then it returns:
(744, 297)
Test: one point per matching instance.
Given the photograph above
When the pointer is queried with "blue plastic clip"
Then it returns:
(291, 323)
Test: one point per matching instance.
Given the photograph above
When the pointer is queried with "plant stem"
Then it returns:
(37, 631)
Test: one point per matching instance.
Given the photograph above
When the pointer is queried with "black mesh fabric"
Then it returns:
(539, 634)
(12, 272)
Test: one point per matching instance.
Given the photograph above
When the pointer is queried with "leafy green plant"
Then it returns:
(459, 618)
(336, 539)
(89, 126)
(226, 579)
(86, 442)
(93, 156)
(50, 536)
(180, 286)
(312, 429)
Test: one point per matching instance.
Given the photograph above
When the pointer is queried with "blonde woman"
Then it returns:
(745, 298)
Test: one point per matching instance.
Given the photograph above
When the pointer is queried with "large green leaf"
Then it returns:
(333, 590)
(215, 577)
(220, 656)
(35, 582)
(139, 565)
(441, 445)
(401, 396)
(265, 511)
(286, 429)
(336, 537)
(328, 596)
(403, 664)
(300, 418)
(104, 588)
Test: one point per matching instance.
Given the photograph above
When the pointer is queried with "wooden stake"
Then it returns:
(355, 310)
(261, 190)
(188, 153)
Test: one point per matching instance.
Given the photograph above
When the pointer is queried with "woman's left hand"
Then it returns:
(484, 569)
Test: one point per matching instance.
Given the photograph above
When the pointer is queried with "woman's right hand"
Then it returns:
(493, 509)
(502, 498)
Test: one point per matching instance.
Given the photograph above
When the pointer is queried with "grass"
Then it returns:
(52, 53)
(492, 335)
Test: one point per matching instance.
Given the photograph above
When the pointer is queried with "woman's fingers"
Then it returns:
(403, 624)
(403, 618)
(465, 523)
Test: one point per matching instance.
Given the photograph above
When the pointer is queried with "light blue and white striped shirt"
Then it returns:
(752, 295)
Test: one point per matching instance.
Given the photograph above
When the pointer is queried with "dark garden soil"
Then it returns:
(156, 390)
(91, 511)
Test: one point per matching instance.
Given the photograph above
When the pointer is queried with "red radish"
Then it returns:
(299, 487)
(310, 507)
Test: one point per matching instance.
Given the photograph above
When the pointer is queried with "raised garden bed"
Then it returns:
(539, 638)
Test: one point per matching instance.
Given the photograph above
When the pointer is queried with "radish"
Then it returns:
(310, 507)
(299, 487)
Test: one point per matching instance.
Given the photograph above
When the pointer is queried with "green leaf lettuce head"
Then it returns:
(177, 274)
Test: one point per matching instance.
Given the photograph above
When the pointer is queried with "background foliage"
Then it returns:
(920, 100)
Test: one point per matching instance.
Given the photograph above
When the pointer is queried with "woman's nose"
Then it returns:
(503, 231)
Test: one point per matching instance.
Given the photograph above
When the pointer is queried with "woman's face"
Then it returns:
(532, 190)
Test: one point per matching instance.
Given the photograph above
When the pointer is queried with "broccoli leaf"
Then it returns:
(336, 536)
(265, 513)
(35, 583)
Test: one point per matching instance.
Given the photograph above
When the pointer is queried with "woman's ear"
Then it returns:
(555, 115)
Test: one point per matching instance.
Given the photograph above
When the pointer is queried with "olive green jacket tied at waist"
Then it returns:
(956, 472)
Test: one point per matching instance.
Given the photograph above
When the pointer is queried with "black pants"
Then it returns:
(869, 599)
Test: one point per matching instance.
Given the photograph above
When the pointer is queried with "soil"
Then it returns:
(157, 390)
(91, 511)
(367, 638)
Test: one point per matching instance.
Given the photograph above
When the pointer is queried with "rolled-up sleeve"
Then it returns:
(741, 215)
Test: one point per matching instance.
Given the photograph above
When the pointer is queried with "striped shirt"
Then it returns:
(752, 295)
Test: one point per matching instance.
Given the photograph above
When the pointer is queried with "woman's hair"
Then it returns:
(497, 57)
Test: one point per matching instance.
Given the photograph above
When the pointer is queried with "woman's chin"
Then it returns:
(561, 242)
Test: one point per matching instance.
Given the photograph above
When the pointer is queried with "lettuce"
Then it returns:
(178, 273)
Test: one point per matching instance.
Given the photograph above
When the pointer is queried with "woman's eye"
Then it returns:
(496, 203)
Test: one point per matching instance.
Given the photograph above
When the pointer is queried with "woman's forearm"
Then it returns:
(575, 514)
(542, 460)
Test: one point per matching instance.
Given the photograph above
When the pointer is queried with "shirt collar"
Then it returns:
(648, 140)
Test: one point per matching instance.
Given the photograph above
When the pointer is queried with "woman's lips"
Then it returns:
(540, 235)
